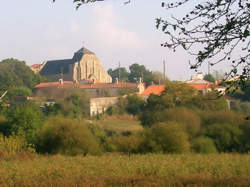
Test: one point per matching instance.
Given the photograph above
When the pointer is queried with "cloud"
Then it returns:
(110, 33)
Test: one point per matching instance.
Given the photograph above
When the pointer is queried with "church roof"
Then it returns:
(84, 51)
(56, 67)
(62, 66)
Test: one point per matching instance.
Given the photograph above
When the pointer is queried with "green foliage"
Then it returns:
(226, 137)
(126, 91)
(14, 145)
(74, 105)
(15, 73)
(24, 118)
(209, 77)
(4, 126)
(245, 138)
(165, 137)
(240, 91)
(18, 91)
(212, 100)
(189, 119)
(241, 107)
(139, 71)
(127, 144)
(203, 144)
(115, 74)
(221, 117)
(66, 136)
(135, 104)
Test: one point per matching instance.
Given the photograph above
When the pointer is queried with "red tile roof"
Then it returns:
(154, 89)
(70, 84)
(201, 86)
(36, 66)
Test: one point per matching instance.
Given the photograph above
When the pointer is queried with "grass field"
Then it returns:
(124, 170)
(120, 123)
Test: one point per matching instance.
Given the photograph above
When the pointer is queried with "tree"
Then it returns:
(15, 73)
(120, 73)
(139, 71)
(209, 77)
(216, 27)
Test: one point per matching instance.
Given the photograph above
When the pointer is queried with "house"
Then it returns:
(94, 89)
(203, 86)
(153, 89)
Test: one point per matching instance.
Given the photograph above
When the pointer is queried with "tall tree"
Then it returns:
(138, 72)
(121, 73)
(15, 73)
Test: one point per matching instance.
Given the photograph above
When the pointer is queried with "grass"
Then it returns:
(123, 170)
(120, 123)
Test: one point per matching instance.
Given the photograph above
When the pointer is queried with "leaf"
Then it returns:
(246, 33)
(158, 21)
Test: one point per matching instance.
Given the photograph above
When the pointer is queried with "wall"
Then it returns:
(100, 105)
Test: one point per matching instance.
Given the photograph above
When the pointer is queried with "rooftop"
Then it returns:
(70, 84)
(154, 89)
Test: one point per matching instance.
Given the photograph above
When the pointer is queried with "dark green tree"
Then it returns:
(138, 72)
(24, 118)
(209, 77)
(15, 73)
(117, 73)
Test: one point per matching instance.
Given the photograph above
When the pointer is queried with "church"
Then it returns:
(82, 68)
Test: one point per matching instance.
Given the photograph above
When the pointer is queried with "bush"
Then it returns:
(4, 126)
(226, 137)
(190, 120)
(221, 117)
(14, 145)
(203, 145)
(66, 136)
(245, 138)
(127, 144)
(165, 137)
(135, 104)
(27, 118)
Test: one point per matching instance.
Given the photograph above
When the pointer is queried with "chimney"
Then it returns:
(61, 81)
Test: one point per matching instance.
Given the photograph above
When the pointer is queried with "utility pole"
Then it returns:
(208, 68)
(119, 72)
(62, 73)
(164, 70)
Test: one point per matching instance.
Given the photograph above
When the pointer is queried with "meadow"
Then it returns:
(117, 169)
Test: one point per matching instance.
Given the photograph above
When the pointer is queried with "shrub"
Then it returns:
(66, 136)
(226, 137)
(190, 120)
(221, 117)
(203, 144)
(27, 118)
(245, 138)
(14, 145)
(4, 126)
(165, 137)
(127, 144)
(135, 104)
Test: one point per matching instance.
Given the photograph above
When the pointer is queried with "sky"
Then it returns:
(37, 31)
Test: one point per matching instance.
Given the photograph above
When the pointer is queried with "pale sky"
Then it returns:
(37, 31)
